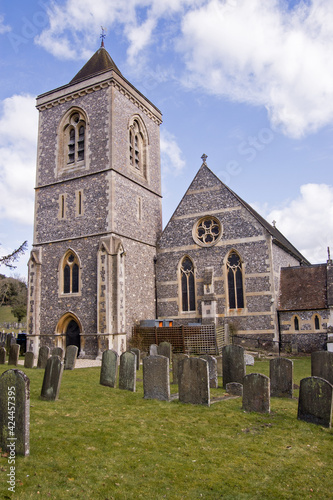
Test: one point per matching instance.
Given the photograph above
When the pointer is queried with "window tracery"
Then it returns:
(207, 231)
(187, 285)
(235, 281)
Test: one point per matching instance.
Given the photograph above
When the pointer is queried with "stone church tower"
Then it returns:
(97, 212)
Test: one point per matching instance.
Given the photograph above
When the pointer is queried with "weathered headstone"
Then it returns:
(315, 401)
(70, 358)
(109, 368)
(234, 389)
(322, 365)
(127, 371)
(14, 352)
(2, 355)
(193, 377)
(233, 362)
(29, 359)
(58, 351)
(156, 378)
(138, 356)
(176, 359)
(153, 350)
(165, 349)
(256, 393)
(9, 339)
(52, 378)
(281, 376)
(249, 359)
(43, 356)
(219, 365)
(212, 369)
(14, 413)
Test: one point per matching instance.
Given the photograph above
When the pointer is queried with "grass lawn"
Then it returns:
(101, 443)
(6, 316)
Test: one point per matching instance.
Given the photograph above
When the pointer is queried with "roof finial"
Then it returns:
(103, 35)
(204, 158)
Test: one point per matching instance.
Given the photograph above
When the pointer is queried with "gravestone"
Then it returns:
(233, 364)
(127, 371)
(322, 365)
(58, 351)
(156, 381)
(176, 359)
(14, 413)
(29, 359)
(234, 389)
(212, 370)
(109, 368)
(138, 357)
(9, 338)
(193, 377)
(249, 359)
(219, 365)
(281, 376)
(2, 355)
(52, 378)
(256, 393)
(315, 401)
(14, 352)
(153, 350)
(43, 356)
(165, 349)
(70, 358)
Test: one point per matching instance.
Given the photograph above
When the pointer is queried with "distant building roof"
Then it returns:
(303, 288)
(100, 62)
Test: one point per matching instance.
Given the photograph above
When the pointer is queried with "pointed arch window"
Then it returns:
(138, 141)
(70, 273)
(187, 285)
(296, 323)
(72, 140)
(235, 281)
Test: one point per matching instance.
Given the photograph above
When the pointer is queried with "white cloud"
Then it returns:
(307, 221)
(18, 136)
(172, 161)
(3, 27)
(262, 53)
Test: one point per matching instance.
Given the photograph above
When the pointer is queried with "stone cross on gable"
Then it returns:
(204, 158)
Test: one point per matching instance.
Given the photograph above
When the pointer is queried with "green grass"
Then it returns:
(101, 443)
(6, 316)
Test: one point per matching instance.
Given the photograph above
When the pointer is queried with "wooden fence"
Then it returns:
(205, 339)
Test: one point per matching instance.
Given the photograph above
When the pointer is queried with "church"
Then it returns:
(100, 262)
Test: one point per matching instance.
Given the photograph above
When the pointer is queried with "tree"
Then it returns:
(7, 260)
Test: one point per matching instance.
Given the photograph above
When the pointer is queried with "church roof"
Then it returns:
(303, 288)
(100, 62)
(277, 236)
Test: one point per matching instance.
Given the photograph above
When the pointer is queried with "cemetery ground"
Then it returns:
(96, 442)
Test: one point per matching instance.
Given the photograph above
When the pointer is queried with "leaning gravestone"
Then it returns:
(165, 349)
(43, 356)
(176, 359)
(322, 365)
(193, 377)
(233, 364)
(109, 368)
(14, 413)
(256, 393)
(281, 376)
(156, 378)
(138, 357)
(14, 353)
(212, 369)
(127, 371)
(2, 355)
(58, 351)
(315, 401)
(52, 378)
(29, 359)
(70, 358)
(153, 350)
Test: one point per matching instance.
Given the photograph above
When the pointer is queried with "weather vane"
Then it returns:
(204, 158)
(103, 35)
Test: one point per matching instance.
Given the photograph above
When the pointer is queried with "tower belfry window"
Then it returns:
(73, 134)
(138, 141)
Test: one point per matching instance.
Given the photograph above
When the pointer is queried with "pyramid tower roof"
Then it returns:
(99, 63)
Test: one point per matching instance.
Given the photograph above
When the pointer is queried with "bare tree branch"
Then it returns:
(7, 260)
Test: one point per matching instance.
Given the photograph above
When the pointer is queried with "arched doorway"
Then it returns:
(73, 334)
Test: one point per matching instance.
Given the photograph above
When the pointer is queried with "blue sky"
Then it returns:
(249, 83)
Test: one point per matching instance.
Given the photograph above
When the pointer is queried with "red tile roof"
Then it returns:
(303, 288)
